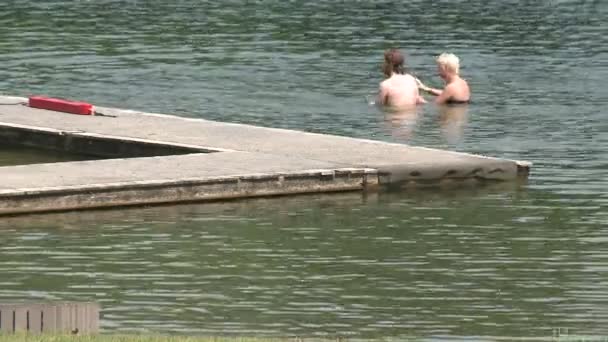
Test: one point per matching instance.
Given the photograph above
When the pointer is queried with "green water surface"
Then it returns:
(513, 260)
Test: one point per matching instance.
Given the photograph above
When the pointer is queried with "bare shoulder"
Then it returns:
(463, 83)
(409, 78)
(386, 84)
(463, 88)
(452, 87)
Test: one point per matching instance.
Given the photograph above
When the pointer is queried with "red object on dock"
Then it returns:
(60, 105)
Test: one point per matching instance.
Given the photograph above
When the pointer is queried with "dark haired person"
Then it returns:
(399, 89)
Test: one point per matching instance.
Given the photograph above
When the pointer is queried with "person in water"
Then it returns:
(398, 90)
(456, 89)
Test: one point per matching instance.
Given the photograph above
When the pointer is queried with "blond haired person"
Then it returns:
(456, 90)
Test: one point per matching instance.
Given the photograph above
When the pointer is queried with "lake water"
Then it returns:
(19, 155)
(486, 263)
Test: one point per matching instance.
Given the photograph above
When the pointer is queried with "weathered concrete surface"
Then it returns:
(250, 161)
(402, 162)
(182, 178)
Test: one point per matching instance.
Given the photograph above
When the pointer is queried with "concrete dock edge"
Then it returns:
(148, 158)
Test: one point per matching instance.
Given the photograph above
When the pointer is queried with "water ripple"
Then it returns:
(474, 264)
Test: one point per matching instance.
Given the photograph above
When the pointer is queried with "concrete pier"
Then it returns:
(157, 158)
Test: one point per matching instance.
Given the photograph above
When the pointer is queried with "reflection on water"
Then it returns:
(400, 123)
(449, 120)
(453, 120)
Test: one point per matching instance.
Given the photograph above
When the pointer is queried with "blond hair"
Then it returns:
(450, 61)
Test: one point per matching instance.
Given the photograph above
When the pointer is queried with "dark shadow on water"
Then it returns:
(21, 155)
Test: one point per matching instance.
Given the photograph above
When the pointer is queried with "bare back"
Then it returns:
(456, 91)
(399, 91)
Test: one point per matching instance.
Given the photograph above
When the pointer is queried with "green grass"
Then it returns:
(131, 338)
(128, 338)
(151, 338)
(167, 338)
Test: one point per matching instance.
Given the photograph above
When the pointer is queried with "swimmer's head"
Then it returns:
(448, 64)
(393, 62)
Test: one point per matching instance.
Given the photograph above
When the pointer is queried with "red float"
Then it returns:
(61, 105)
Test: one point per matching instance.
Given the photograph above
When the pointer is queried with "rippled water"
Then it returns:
(517, 260)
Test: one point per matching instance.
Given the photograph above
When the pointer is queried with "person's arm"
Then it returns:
(419, 98)
(444, 95)
(432, 91)
(382, 97)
